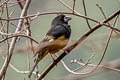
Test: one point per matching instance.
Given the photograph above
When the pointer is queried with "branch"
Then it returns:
(59, 12)
(17, 35)
(19, 71)
(112, 65)
(86, 14)
(70, 48)
(74, 5)
(12, 45)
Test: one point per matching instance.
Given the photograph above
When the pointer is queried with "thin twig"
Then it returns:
(4, 3)
(28, 55)
(102, 66)
(112, 65)
(68, 6)
(86, 14)
(90, 65)
(8, 44)
(74, 5)
(86, 63)
(104, 14)
(28, 30)
(17, 35)
(20, 4)
(102, 11)
(16, 1)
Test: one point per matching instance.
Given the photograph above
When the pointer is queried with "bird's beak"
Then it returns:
(67, 18)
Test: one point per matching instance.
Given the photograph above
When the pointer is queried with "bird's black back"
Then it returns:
(60, 30)
(59, 27)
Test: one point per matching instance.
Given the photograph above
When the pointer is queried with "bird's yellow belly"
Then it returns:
(56, 46)
(52, 47)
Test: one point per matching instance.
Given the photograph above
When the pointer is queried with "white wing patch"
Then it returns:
(51, 40)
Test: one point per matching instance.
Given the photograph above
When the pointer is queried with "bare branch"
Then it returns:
(19, 71)
(86, 14)
(112, 65)
(17, 35)
(12, 45)
(74, 5)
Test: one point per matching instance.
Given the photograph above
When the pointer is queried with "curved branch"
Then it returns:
(17, 35)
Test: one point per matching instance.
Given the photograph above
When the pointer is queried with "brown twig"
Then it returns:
(86, 14)
(74, 5)
(104, 14)
(16, 1)
(105, 66)
(27, 24)
(20, 4)
(4, 3)
(112, 65)
(102, 11)
(10, 4)
(8, 44)
(86, 63)
(17, 35)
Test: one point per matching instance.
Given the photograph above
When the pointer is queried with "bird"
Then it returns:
(55, 40)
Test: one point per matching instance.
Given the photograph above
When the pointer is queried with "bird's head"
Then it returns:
(61, 19)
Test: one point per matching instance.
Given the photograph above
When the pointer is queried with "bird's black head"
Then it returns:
(61, 19)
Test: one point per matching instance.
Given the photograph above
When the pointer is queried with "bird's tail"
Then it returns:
(31, 71)
(40, 56)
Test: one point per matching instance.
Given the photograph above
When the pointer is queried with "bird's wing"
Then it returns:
(54, 33)
(57, 31)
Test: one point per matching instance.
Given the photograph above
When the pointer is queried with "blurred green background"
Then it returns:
(94, 44)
